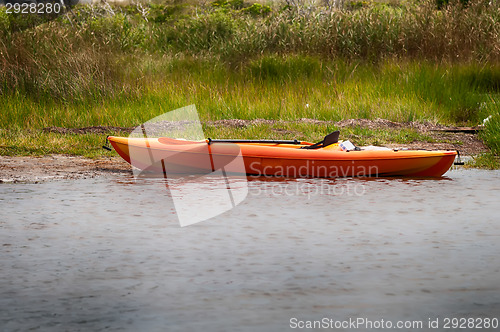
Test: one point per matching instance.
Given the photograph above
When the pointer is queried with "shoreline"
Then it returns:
(26, 169)
(34, 169)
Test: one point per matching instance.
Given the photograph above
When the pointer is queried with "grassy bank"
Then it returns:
(279, 88)
(121, 66)
(331, 91)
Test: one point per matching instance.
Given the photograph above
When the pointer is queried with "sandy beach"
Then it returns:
(52, 167)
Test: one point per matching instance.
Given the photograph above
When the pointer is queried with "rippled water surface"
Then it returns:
(109, 254)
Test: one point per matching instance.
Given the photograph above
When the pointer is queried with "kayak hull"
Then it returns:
(172, 156)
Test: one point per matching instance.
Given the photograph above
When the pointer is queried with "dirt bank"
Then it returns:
(37, 169)
(242, 123)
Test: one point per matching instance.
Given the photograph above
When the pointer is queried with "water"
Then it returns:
(108, 254)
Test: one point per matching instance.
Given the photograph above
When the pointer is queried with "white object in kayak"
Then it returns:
(347, 146)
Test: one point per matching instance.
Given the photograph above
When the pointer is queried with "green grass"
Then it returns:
(313, 132)
(491, 133)
(325, 90)
(23, 142)
(484, 161)
(94, 53)
(37, 143)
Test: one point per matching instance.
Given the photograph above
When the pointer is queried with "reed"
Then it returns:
(491, 134)
(87, 55)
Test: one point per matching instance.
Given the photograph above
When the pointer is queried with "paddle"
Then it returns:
(329, 139)
(210, 141)
(458, 160)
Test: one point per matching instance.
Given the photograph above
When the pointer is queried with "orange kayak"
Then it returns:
(267, 158)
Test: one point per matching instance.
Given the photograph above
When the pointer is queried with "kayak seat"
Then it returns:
(329, 139)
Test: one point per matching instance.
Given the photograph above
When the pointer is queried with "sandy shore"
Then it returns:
(51, 167)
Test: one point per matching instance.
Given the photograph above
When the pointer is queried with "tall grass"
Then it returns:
(491, 134)
(106, 65)
(372, 32)
(93, 53)
(286, 88)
